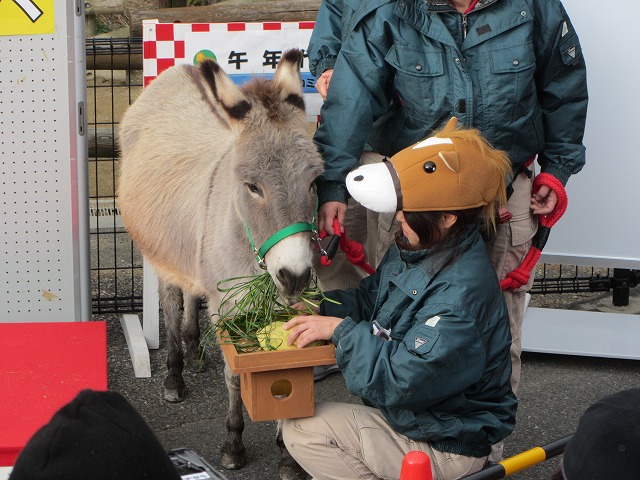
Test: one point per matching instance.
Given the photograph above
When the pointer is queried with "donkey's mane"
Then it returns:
(267, 93)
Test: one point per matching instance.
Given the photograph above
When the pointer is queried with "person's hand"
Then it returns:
(544, 200)
(327, 212)
(322, 83)
(304, 307)
(308, 328)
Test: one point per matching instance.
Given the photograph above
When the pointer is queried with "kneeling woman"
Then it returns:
(424, 342)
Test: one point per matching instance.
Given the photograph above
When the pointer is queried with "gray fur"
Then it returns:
(195, 147)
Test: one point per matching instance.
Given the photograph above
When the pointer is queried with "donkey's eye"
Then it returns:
(253, 188)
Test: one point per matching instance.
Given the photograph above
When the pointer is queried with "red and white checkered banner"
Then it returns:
(243, 50)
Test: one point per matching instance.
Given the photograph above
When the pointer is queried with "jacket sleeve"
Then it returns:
(562, 93)
(326, 38)
(356, 303)
(435, 360)
(357, 87)
(335, 19)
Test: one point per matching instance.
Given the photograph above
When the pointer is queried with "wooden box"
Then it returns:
(277, 384)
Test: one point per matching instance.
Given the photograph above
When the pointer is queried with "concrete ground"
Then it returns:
(555, 390)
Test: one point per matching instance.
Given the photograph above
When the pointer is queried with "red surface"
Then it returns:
(42, 367)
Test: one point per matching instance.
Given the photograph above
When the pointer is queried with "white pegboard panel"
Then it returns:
(44, 253)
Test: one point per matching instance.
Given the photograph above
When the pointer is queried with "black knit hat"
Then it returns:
(97, 436)
(606, 443)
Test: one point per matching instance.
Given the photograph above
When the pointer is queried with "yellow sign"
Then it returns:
(26, 17)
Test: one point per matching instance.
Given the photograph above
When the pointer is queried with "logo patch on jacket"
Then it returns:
(418, 342)
(433, 321)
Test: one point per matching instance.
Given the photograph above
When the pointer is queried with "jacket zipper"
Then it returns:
(464, 26)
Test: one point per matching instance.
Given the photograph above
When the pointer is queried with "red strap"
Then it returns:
(353, 250)
(520, 276)
(471, 6)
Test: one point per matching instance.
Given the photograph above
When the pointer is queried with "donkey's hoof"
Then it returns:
(197, 365)
(174, 387)
(173, 396)
(232, 462)
(288, 469)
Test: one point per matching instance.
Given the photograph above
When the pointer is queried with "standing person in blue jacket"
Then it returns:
(424, 341)
(513, 70)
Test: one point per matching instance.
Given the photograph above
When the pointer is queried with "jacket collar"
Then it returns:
(445, 5)
(433, 258)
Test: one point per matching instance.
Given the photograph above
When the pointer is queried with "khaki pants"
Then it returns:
(349, 441)
(507, 251)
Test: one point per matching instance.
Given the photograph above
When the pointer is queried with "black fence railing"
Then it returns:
(114, 80)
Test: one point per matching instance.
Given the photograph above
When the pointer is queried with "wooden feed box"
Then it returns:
(277, 384)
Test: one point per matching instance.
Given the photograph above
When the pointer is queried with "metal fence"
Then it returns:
(114, 80)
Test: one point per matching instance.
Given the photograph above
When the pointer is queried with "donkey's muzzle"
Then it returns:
(293, 284)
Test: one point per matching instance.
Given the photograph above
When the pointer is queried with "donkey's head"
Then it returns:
(275, 165)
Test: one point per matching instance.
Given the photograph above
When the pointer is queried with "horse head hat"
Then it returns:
(455, 169)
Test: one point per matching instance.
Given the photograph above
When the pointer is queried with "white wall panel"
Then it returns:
(44, 255)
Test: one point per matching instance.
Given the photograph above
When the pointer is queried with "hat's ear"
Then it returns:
(451, 160)
(451, 124)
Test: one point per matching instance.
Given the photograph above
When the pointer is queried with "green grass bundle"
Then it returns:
(249, 308)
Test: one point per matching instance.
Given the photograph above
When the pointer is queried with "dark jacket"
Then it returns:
(444, 377)
(511, 68)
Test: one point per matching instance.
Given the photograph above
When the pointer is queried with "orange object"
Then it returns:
(416, 465)
(43, 366)
(278, 384)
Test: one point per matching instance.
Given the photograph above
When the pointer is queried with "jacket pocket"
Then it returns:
(415, 63)
(419, 83)
(512, 59)
(422, 339)
(512, 80)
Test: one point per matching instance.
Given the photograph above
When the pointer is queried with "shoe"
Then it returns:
(322, 371)
(497, 452)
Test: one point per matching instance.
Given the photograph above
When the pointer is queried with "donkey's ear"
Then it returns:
(288, 78)
(226, 93)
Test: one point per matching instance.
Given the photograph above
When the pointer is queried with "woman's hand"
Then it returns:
(544, 200)
(304, 307)
(309, 328)
(322, 83)
(327, 213)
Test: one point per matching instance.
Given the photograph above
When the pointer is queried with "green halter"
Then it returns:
(276, 237)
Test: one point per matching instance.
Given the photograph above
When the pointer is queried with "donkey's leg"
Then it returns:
(194, 355)
(288, 468)
(171, 303)
(232, 451)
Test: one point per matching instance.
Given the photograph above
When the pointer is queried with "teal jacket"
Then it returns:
(514, 69)
(444, 377)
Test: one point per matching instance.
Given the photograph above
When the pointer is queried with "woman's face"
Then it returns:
(412, 237)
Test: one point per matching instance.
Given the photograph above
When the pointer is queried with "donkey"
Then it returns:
(209, 172)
